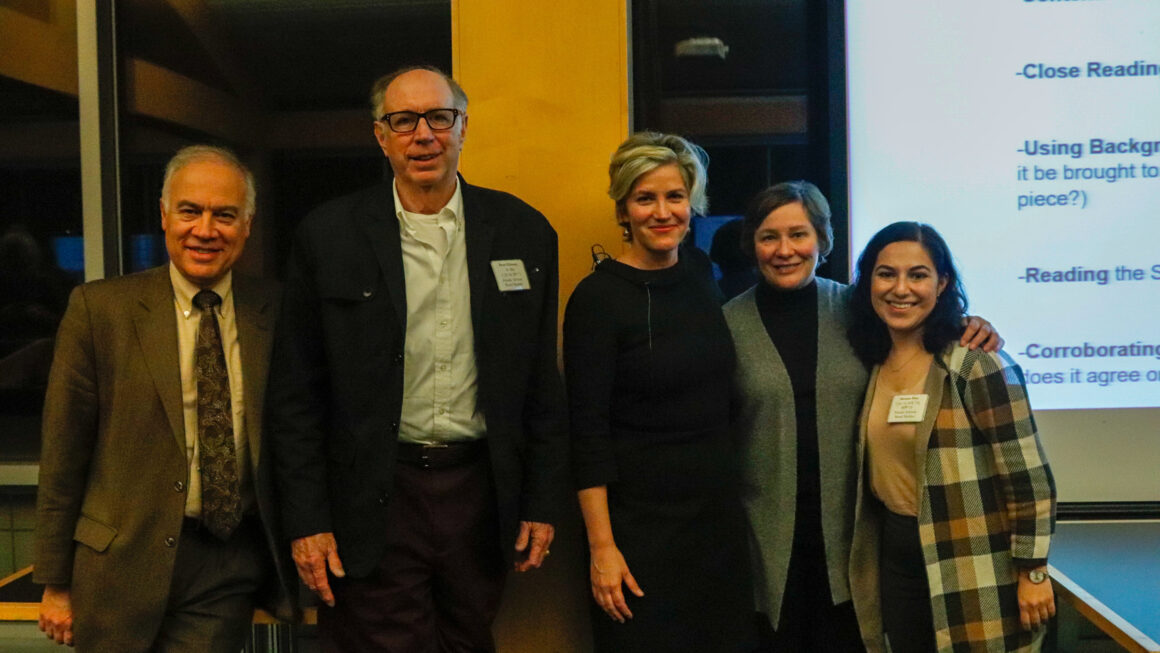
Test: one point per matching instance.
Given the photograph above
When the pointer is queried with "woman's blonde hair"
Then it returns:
(644, 152)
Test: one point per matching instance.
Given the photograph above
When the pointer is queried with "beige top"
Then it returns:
(891, 448)
(439, 372)
(188, 319)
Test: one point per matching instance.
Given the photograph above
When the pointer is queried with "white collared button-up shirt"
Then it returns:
(439, 372)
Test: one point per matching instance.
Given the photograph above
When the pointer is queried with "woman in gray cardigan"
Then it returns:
(800, 389)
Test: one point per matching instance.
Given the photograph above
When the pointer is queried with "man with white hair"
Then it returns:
(416, 415)
(155, 525)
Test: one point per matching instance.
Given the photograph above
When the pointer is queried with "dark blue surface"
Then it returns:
(1117, 563)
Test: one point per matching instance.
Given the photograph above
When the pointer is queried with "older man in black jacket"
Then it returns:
(415, 408)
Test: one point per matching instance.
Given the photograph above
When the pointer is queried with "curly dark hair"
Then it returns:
(868, 333)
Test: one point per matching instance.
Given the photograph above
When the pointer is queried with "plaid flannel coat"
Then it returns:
(986, 505)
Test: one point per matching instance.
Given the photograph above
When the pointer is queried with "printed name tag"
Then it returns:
(907, 409)
(510, 275)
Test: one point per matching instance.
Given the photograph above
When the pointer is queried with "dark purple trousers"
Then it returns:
(437, 588)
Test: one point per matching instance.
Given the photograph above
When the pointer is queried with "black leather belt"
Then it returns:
(440, 456)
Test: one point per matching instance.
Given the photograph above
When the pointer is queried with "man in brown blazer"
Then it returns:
(155, 525)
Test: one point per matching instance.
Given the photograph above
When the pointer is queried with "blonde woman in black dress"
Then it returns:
(648, 361)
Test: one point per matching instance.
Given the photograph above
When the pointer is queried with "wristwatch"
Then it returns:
(1037, 576)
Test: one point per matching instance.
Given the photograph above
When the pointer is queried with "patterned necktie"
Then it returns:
(221, 500)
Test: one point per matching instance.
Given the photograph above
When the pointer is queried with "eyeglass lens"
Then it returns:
(406, 121)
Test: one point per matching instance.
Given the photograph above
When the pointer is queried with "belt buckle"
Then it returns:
(429, 447)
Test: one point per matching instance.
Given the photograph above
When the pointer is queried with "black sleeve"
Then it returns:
(295, 396)
(543, 413)
(590, 351)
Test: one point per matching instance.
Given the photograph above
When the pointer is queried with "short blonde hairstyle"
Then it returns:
(644, 152)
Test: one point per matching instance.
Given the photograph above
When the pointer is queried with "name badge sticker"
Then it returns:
(907, 409)
(510, 275)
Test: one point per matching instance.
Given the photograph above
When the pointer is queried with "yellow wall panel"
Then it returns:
(548, 90)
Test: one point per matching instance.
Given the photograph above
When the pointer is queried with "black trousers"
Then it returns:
(809, 620)
(905, 592)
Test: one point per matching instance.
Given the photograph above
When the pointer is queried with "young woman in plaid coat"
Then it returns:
(956, 502)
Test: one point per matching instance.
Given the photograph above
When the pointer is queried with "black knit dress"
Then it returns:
(649, 362)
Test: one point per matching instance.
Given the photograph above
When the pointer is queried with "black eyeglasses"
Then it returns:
(405, 122)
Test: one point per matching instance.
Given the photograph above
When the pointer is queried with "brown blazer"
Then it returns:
(113, 472)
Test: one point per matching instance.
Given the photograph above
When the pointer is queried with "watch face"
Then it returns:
(1037, 576)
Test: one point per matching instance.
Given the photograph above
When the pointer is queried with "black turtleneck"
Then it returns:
(791, 320)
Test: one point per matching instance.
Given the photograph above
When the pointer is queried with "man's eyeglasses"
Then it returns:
(405, 122)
